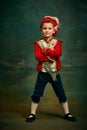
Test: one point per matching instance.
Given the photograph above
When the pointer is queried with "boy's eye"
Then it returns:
(47, 28)
(44, 28)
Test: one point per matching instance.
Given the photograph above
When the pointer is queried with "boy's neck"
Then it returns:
(48, 39)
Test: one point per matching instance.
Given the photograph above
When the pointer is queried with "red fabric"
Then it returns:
(48, 19)
(41, 54)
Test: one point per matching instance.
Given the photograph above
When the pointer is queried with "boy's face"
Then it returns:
(47, 30)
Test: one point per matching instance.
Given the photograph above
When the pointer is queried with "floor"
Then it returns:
(49, 115)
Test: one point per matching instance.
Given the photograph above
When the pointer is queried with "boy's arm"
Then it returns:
(57, 52)
(40, 56)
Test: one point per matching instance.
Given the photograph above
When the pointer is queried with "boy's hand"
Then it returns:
(50, 60)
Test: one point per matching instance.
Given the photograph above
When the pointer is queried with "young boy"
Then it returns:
(47, 52)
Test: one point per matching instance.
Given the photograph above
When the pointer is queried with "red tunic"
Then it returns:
(41, 56)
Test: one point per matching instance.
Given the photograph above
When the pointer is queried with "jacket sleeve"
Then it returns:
(39, 53)
(57, 52)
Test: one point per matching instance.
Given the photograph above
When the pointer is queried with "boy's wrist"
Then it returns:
(44, 51)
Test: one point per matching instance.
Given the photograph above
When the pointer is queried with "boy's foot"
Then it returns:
(69, 117)
(30, 118)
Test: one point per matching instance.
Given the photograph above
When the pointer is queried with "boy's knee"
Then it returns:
(35, 99)
(62, 99)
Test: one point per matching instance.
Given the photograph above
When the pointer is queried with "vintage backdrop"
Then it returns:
(19, 28)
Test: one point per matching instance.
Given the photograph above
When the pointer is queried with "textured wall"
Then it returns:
(19, 28)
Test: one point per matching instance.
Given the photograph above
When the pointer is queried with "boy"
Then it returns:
(47, 52)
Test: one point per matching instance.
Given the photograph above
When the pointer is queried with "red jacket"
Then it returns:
(53, 54)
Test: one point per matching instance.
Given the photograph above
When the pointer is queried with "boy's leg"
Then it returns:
(58, 89)
(60, 93)
(34, 107)
(38, 92)
(65, 107)
(31, 117)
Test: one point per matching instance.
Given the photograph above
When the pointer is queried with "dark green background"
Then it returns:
(19, 28)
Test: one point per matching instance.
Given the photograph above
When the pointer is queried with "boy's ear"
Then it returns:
(54, 31)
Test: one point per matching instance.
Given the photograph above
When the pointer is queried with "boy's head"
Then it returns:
(53, 20)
